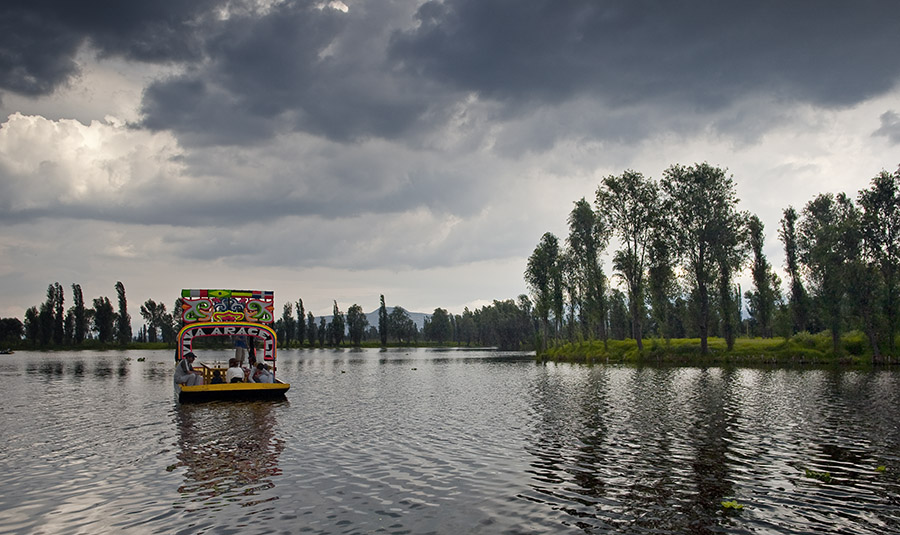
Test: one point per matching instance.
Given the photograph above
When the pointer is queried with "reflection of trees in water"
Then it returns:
(229, 450)
(638, 450)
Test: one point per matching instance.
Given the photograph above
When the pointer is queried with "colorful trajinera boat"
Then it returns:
(231, 314)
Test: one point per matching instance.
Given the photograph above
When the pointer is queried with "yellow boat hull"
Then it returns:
(231, 391)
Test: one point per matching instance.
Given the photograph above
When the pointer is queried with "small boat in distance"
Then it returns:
(228, 313)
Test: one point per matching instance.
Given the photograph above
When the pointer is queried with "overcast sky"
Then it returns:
(343, 150)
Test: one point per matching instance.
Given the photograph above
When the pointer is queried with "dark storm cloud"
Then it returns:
(40, 38)
(393, 70)
(298, 67)
(699, 54)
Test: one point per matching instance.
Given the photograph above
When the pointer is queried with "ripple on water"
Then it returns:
(420, 442)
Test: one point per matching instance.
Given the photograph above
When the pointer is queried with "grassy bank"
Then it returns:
(803, 348)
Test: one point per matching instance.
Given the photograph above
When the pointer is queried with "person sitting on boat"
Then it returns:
(217, 378)
(262, 374)
(185, 374)
(235, 373)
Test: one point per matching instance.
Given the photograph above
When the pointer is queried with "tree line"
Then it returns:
(682, 244)
(49, 325)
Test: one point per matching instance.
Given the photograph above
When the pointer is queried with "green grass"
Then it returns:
(801, 348)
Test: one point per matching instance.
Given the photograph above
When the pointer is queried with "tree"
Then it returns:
(438, 327)
(11, 330)
(32, 326)
(301, 322)
(466, 326)
(323, 331)
(588, 237)
(337, 326)
(45, 317)
(311, 329)
(822, 245)
(58, 315)
(401, 325)
(700, 200)
(881, 233)
(356, 324)
(730, 252)
(762, 298)
(81, 324)
(661, 281)
(123, 318)
(287, 319)
(630, 204)
(383, 323)
(798, 302)
(104, 320)
(154, 315)
(544, 277)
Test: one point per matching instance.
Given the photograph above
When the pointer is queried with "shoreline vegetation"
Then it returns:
(802, 348)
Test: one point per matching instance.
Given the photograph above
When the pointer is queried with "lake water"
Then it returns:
(449, 442)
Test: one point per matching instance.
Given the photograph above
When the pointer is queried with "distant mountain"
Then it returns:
(372, 317)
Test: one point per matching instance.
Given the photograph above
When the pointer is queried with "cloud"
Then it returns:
(890, 126)
(702, 54)
(39, 41)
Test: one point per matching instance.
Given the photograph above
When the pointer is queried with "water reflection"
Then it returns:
(230, 453)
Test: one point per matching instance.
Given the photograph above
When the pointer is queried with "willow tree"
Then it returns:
(630, 202)
(700, 201)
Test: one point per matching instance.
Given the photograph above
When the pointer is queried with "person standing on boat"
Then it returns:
(240, 348)
(185, 374)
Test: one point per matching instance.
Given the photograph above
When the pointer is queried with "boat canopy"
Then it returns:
(228, 313)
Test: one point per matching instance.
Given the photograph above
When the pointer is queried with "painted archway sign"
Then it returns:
(265, 334)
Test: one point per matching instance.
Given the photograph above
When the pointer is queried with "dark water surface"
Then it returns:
(425, 441)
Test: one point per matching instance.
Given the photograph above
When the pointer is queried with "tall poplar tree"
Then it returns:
(123, 318)
(701, 201)
(544, 277)
(80, 321)
(881, 232)
(58, 315)
(287, 319)
(383, 323)
(337, 326)
(630, 204)
(821, 241)
(301, 322)
(764, 294)
(104, 320)
(798, 301)
(588, 237)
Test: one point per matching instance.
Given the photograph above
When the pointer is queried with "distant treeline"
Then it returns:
(50, 325)
(683, 243)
